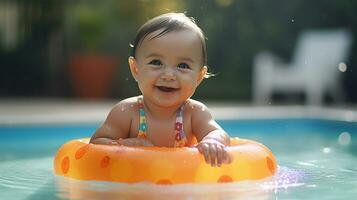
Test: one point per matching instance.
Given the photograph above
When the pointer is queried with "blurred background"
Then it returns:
(79, 49)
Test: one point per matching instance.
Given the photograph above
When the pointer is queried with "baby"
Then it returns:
(169, 61)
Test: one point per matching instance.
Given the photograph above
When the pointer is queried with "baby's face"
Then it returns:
(169, 68)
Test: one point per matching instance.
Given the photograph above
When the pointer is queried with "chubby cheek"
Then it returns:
(145, 87)
(189, 89)
(146, 80)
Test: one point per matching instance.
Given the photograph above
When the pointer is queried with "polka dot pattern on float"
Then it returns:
(81, 151)
(105, 162)
(225, 179)
(271, 165)
(65, 165)
(164, 182)
(84, 161)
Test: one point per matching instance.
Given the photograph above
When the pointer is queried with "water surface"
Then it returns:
(317, 160)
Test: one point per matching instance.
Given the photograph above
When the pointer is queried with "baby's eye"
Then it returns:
(155, 62)
(183, 66)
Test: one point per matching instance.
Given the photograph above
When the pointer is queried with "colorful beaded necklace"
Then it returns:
(180, 137)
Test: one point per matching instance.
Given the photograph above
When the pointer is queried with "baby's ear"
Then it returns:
(133, 67)
(202, 74)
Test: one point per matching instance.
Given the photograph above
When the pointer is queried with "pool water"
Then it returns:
(317, 159)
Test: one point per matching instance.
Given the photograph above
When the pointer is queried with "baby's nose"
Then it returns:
(168, 74)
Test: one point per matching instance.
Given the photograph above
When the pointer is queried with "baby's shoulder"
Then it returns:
(130, 100)
(121, 115)
(126, 105)
(198, 112)
(194, 106)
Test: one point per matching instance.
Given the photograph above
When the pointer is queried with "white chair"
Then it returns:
(314, 69)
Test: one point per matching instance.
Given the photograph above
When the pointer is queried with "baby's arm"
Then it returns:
(116, 128)
(212, 138)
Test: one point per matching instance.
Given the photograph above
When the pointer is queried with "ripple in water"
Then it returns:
(21, 178)
(265, 189)
(33, 179)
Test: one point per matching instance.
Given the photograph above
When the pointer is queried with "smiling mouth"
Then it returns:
(166, 89)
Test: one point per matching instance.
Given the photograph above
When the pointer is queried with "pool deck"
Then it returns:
(62, 111)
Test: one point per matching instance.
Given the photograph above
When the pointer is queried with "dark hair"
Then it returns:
(169, 22)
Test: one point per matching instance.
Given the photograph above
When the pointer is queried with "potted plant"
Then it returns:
(91, 68)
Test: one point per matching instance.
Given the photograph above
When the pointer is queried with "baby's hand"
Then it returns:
(135, 142)
(214, 152)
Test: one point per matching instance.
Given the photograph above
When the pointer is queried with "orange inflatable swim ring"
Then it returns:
(161, 165)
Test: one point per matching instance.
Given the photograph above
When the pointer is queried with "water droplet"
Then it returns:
(292, 20)
(344, 138)
(203, 108)
(326, 150)
(342, 67)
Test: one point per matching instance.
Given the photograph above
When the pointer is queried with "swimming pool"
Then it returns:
(317, 158)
